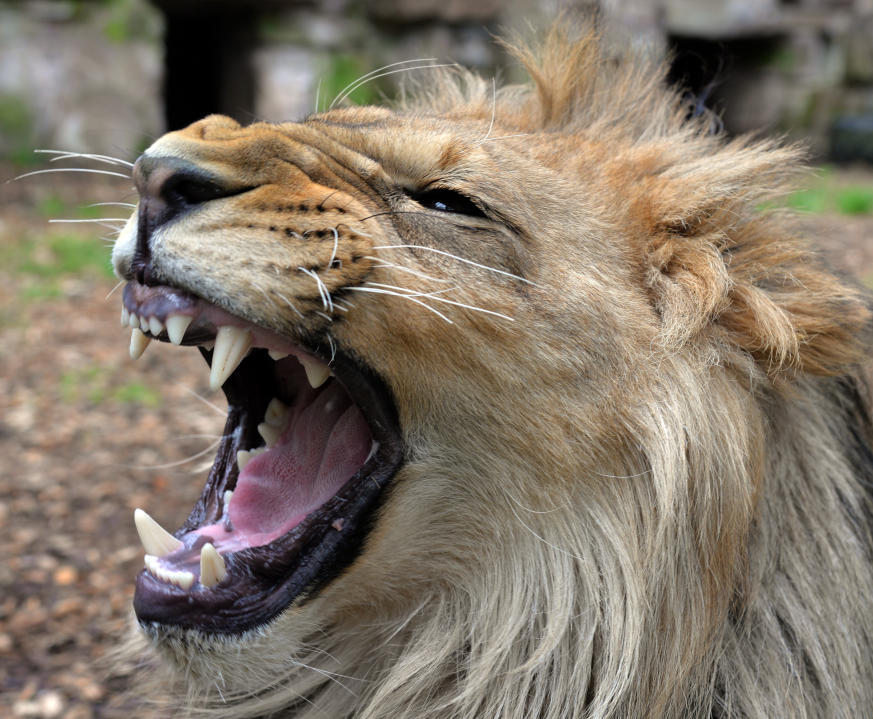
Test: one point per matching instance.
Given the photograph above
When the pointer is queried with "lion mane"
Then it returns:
(637, 466)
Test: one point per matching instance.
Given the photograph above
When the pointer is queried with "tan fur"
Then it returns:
(640, 492)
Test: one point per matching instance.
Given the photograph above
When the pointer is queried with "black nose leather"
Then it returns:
(168, 186)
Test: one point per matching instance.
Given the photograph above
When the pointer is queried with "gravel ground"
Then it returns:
(87, 435)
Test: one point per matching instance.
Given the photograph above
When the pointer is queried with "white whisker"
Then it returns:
(70, 169)
(66, 154)
(365, 77)
(335, 245)
(322, 288)
(94, 219)
(376, 290)
(433, 296)
(107, 204)
(455, 257)
(409, 292)
(205, 401)
(290, 304)
(112, 291)
(545, 541)
(385, 74)
(503, 137)
(392, 265)
(167, 465)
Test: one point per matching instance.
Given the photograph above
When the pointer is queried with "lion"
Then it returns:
(538, 406)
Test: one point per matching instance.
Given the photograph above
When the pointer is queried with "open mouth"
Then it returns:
(310, 443)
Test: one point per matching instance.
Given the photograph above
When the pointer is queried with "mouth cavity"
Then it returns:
(311, 441)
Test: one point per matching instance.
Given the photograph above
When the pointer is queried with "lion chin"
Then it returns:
(533, 412)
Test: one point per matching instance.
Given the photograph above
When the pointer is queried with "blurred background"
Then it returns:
(86, 435)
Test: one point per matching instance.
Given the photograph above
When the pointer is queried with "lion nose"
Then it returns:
(169, 186)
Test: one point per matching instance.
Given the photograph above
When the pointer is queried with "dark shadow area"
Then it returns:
(207, 61)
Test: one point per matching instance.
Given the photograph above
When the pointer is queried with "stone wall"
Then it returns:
(90, 75)
(80, 76)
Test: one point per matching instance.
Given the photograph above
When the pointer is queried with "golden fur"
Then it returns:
(640, 489)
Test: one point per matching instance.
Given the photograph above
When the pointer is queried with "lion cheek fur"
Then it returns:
(646, 496)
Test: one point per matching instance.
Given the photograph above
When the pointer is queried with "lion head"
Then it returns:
(533, 411)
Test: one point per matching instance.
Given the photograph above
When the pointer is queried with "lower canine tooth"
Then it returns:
(177, 325)
(231, 346)
(212, 569)
(155, 539)
(138, 343)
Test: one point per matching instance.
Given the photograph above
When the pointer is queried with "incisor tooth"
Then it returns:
(231, 346)
(242, 458)
(316, 372)
(133, 320)
(270, 433)
(155, 539)
(212, 569)
(177, 325)
(138, 343)
(144, 323)
(125, 317)
(155, 326)
(180, 577)
(276, 355)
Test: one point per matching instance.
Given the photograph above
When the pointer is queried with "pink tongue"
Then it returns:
(322, 447)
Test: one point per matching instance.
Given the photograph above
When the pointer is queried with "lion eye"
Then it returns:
(445, 200)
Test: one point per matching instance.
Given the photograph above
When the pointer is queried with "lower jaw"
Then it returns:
(263, 581)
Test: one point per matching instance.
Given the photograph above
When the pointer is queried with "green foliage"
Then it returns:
(96, 385)
(825, 195)
(855, 201)
(345, 70)
(45, 263)
(16, 130)
(812, 200)
(66, 255)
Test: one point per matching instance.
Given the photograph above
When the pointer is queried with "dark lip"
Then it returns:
(268, 579)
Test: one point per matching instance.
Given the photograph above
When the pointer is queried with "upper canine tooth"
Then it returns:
(155, 539)
(212, 568)
(231, 346)
(316, 372)
(138, 343)
(177, 325)
(155, 326)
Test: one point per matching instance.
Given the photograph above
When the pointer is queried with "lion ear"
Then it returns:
(721, 269)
